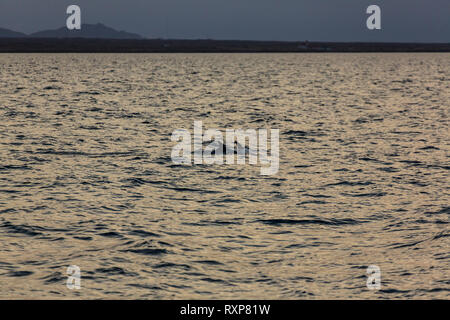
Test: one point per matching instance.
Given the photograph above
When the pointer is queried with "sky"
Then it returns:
(285, 20)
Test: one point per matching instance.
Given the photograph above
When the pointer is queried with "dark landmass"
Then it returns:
(187, 46)
(90, 31)
(6, 33)
(100, 38)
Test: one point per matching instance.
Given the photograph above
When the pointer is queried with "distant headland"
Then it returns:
(88, 31)
(98, 38)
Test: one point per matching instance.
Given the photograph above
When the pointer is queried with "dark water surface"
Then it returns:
(86, 176)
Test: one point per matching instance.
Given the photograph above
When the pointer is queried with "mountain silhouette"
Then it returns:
(92, 31)
(6, 33)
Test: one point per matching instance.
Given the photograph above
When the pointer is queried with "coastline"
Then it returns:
(85, 45)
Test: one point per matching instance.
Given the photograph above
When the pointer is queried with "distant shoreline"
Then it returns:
(84, 45)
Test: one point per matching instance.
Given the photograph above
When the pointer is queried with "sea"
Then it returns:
(87, 181)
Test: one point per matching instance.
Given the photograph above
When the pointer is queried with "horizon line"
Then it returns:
(143, 38)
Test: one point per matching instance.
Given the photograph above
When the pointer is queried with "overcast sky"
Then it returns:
(320, 20)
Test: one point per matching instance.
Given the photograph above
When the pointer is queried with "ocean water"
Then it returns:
(86, 176)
